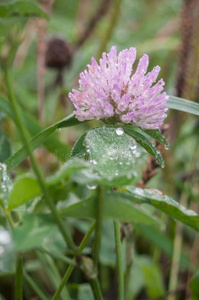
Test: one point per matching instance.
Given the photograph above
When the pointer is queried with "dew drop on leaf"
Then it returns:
(91, 187)
(120, 131)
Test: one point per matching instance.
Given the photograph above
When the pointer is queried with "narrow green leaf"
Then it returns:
(183, 105)
(21, 9)
(23, 190)
(37, 140)
(166, 204)
(114, 209)
(5, 148)
(52, 143)
(145, 143)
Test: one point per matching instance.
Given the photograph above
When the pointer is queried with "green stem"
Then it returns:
(35, 287)
(36, 168)
(120, 270)
(59, 256)
(96, 289)
(98, 228)
(19, 278)
(177, 249)
(71, 267)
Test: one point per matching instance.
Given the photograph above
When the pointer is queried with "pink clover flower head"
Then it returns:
(111, 91)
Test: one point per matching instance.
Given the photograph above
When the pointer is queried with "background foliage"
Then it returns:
(159, 237)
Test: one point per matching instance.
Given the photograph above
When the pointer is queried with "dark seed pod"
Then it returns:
(58, 53)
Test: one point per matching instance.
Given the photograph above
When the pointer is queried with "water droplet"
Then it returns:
(94, 162)
(91, 187)
(120, 163)
(120, 131)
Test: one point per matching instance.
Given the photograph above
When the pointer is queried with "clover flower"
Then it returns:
(111, 91)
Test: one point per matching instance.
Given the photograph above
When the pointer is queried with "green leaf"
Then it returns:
(33, 231)
(157, 135)
(79, 148)
(183, 105)
(112, 155)
(114, 209)
(85, 292)
(37, 140)
(60, 149)
(152, 277)
(7, 253)
(5, 148)
(21, 9)
(145, 143)
(69, 168)
(194, 283)
(23, 190)
(166, 204)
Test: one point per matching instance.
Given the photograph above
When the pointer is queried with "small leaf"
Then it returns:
(158, 136)
(79, 148)
(114, 209)
(145, 143)
(33, 231)
(112, 155)
(23, 190)
(21, 9)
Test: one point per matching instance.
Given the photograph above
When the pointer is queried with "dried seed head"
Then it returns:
(58, 54)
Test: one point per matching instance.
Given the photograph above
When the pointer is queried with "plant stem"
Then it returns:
(36, 168)
(19, 278)
(98, 228)
(59, 256)
(177, 249)
(35, 287)
(120, 270)
(96, 289)
(71, 267)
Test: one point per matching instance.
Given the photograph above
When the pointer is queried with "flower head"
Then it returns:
(111, 91)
